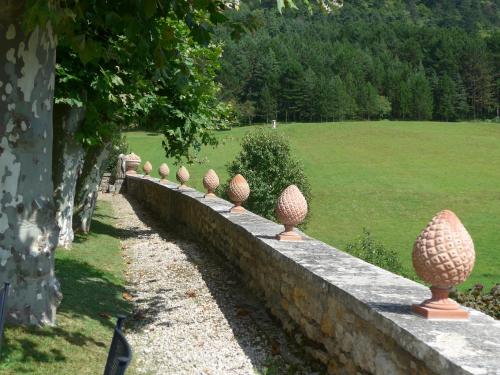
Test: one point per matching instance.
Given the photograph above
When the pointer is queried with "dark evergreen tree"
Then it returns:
(292, 94)
(421, 102)
(267, 103)
(478, 77)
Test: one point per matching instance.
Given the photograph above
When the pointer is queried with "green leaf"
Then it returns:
(116, 80)
(281, 5)
(72, 102)
(291, 4)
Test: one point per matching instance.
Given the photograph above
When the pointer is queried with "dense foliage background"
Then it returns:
(412, 59)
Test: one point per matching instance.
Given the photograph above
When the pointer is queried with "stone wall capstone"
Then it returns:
(352, 316)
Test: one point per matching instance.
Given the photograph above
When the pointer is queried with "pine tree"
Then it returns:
(478, 77)
(267, 104)
(421, 102)
(342, 104)
(292, 93)
(452, 103)
(350, 86)
(445, 106)
(369, 102)
(309, 109)
(405, 98)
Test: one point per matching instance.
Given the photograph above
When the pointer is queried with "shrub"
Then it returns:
(266, 162)
(119, 146)
(476, 298)
(367, 248)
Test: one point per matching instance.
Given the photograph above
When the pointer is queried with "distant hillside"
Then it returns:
(428, 59)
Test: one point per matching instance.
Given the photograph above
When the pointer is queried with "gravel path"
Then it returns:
(192, 314)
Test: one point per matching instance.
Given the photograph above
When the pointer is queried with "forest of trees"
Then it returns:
(372, 59)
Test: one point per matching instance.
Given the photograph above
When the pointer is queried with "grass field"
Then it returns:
(91, 276)
(388, 177)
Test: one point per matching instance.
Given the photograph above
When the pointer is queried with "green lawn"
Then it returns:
(91, 276)
(390, 177)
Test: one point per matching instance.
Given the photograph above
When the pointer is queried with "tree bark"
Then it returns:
(68, 156)
(28, 230)
(88, 187)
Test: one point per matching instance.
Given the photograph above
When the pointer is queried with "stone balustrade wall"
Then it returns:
(350, 315)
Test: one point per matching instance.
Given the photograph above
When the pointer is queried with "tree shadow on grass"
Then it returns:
(31, 352)
(31, 346)
(89, 293)
(101, 228)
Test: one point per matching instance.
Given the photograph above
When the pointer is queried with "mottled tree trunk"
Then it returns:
(28, 230)
(88, 187)
(68, 161)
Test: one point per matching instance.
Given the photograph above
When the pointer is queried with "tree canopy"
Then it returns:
(147, 62)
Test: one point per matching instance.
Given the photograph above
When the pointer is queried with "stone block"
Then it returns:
(333, 367)
(384, 365)
(327, 325)
(347, 342)
(311, 330)
(308, 303)
(318, 354)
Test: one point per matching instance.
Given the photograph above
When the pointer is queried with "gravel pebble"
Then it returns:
(192, 315)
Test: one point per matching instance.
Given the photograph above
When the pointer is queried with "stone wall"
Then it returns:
(352, 316)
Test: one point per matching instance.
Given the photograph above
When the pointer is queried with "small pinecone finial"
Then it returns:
(182, 176)
(211, 183)
(291, 210)
(163, 171)
(443, 256)
(238, 192)
(147, 168)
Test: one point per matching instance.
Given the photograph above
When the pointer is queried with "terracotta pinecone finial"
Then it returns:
(132, 161)
(238, 192)
(182, 176)
(443, 256)
(291, 210)
(211, 182)
(164, 171)
(147, 168)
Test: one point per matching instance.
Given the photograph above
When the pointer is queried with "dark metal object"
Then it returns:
(3, 308)
(120, 353)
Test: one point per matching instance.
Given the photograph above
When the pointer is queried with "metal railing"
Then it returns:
(120, 353)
